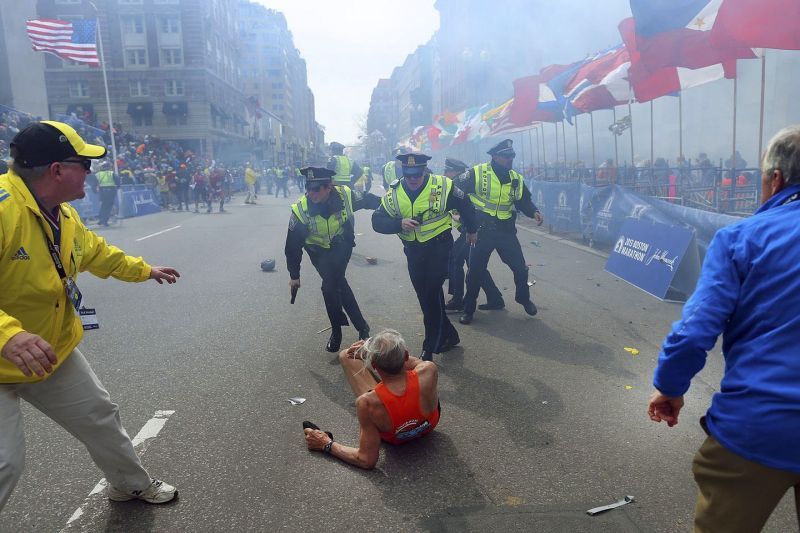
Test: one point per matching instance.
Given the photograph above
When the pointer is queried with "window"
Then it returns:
(277, 85)
(135, 57)
(78, 89)
(123, 2)
(169, 24)
(142, 120)
(132, 24)
(173, 88)
(68, 63)
(171, 56)
(176, 120)
(139, 88)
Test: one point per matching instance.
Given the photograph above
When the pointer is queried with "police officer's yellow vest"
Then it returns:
(105, 178)
(344, 168)
(493, 197)
(279, 173)
(323, 230)
(429, 209)
(389, 174)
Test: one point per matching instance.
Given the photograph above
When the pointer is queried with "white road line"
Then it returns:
(142, 439)
(157, 233)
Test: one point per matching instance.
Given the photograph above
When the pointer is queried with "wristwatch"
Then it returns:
(327, 447)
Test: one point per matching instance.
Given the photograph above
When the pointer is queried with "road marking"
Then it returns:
(142, 440)
(157, 233)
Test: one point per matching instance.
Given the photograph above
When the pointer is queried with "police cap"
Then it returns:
(455, 165)
(413, 164)
(503, 148)
(336, 146)
(317, 174)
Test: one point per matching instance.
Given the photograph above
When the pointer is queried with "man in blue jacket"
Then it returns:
(749, 290)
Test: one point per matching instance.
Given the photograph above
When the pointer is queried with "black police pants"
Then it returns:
(510, 252)
(339, 298)
(458, 256)
(282, 185)
(427, 267)
(107, 197)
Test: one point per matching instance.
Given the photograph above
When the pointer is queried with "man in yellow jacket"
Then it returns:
(43, 247)
(250, 178)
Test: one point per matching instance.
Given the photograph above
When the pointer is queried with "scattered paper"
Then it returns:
(628, 387)
(536, 243)
(597, 510)
(296, 400)
(632, 351)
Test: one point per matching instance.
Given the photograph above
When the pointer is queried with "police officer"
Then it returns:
(498, 192)
(392, 170)
(107, 188)
(346, 170)
(460, 254)
(417, 208)
(322, 223)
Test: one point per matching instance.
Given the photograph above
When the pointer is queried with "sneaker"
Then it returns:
(156, 492)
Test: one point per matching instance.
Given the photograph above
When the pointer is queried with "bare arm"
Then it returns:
(366, 455)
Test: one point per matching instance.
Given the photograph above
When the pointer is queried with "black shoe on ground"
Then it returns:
(492, 306)
(530, 308)
(363, 334)
(454, 305)
(450, 343)
(465, 319)
(335, 340)
(426, 355)
(312, 425)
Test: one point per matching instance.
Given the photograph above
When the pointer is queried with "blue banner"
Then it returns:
(137, 200)
(649, 255)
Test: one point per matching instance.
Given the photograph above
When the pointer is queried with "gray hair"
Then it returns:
(386, 350)
(783, 153)
(29, 174)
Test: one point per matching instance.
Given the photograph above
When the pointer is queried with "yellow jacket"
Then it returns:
(32, 295)
(250, 176)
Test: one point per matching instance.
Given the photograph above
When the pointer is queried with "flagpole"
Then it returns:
(594, 161)
(577, 147)
(522, 143)
(538, 158)
(761, 118)
(530, 145)
(733, 154)
(616, 144)
(652, 153)
(105, 84)
(555, 125)
(564, 142)
(680, 124)
(544, 153)
(630, 115)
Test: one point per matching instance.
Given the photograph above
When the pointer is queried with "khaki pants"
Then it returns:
(736, 495)
(74, 398)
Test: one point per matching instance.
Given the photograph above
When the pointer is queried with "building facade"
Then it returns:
(21, 69)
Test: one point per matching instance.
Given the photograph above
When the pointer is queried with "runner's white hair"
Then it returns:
(386, 350)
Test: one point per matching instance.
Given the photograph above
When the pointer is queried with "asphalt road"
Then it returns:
(542, 418)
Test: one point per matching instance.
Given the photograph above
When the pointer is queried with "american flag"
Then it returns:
(75, 41)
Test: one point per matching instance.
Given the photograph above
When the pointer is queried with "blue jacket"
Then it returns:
(749, 290)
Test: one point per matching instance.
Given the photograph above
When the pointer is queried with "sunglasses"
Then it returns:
(86, 163)
(314, 188)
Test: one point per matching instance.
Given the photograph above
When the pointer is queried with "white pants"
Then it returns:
(74, 398)
(251, 193)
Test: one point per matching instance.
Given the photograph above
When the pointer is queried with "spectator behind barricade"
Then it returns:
(607, 174)
(703, 163)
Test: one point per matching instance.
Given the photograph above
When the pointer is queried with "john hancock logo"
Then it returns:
(662, 256)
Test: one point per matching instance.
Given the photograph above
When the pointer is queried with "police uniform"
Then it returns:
(427, 248)
(392, 170)
(346, 171)
(460, 255)
(497, 193)
(325, 230)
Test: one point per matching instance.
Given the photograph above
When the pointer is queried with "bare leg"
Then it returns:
(358, 376)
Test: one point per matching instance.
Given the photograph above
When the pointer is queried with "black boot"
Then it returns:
(530, 308)
(466, 318)
(454, 304)
(363, 333)
(492, 306)
(335, 340)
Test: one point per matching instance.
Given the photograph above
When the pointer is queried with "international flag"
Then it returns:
(599, 83)
(651, 84)
(758, 24)
(677, 33)
(75, 41)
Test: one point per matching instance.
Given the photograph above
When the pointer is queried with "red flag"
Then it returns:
(758, 24)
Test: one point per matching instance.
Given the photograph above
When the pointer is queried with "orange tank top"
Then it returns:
(408, 422)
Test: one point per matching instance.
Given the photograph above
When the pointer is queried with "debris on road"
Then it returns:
(536, 243)
(628, 387)
(632, 351)
(372, 260)
(268, 265)
(296, 400)
(597, 510)
(324, 330)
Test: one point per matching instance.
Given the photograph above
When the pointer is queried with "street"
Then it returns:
(542, 417)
